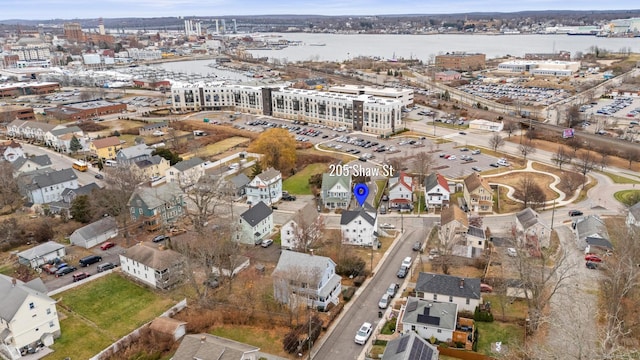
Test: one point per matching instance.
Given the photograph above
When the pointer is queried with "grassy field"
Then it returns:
(298, 184)
(488, 333)
(620, 179)
(101, 312)
(217, 148)
(627, 197)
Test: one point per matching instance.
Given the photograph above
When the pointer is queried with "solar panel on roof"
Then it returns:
(418, 351)
(402, 345)
(412, 306)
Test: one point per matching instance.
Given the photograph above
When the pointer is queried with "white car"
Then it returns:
(387, 226)
(452, 157)
(364, 333)
(407, 262)
(512, 252)
(384, 301)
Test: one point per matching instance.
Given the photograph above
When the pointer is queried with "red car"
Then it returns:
(107, 245)
(592, 258)
(486, 288)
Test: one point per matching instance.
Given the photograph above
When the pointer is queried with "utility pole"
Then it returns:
(553, 213)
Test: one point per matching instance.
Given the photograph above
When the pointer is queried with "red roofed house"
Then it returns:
(436, 191)
(400, 190)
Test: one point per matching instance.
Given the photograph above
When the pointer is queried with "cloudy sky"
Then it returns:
(69, 9)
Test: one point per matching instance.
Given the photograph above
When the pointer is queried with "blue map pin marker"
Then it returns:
(361, 191)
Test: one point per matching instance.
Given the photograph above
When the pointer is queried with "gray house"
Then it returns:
(41, 254)
(465, 292)
(410, 347)
(132, 154)
(93, 234)
(236, 186)
(336, 191)
(590, 229)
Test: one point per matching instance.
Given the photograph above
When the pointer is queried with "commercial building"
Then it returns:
(16, 112)
(31, 88)
(461, 61)
(535, 67)
(86, 110)
(370, 114)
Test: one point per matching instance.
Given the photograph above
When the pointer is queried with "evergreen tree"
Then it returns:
(74, 144)
(81, 209)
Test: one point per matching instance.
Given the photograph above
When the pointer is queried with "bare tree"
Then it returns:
(530, 193)
(9, 193)
(295, 287)
(422, 163)
(574, 144)
(604, 160)
(448, 237)
(561, 157)
(510, 127)
(632, 155)
(526, 148)
(585, 163)
(203, 197)
(573, 116)
(306, 231)
(496, 141)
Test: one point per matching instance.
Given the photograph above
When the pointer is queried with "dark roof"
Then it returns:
(349, 215)
(154, 160)
(155, 126)
(448, 285)
(433, 313)
(53, 178)
(41, 160)
(409, 347)
(599, 242)
(256, 213)
(240, 180)
(528, 217)
(476, 231)
(83, 190)
(188, 164)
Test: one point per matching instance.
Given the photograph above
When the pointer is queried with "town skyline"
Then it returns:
(74, 9)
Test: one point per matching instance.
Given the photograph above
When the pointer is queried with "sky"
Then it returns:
(81, 9)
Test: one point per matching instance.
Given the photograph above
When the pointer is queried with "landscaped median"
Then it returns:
(95, 315)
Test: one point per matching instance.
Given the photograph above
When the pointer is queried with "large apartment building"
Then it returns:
(367, 113)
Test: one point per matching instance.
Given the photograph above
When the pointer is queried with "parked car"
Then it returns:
(387, 226)
(592, 258)
(494, 165)
(65, 270)
(407, 262)
(475, 168)
(160, 238)
(417, 246)
(288, 197)
(402, 272)
(88, 260)
(105, 266)
(266, 243)
(475, 152)
(49, 269)
(363, 333)
(392, 289)
(575, 213)
(80, 276)
(99, 176)
(486, 288)
(591, 265)
(107, 245)
(384, 301)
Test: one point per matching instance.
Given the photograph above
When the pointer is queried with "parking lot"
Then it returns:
(524, 94)
(620, 107)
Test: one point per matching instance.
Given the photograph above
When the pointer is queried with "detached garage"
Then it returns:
(95, 233)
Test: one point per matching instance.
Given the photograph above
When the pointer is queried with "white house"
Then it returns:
(153, 265)
(531, 230)
(429, 318)
(186, 173)
(27, 129)
(633, 217)
(93, 234)
(255, 224)
(60, 139)
(336, 191)
(590, 229)
(25, 165)
(302, 229)
(464, 292)
(359, 227)
(436, 191)
(400, 190)
(11, 151)
(211, 347)
(265, 187)
(41, 254)
(48, 186)
(27, 316)
(301, 278)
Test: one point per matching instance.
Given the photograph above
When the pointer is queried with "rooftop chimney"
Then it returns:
(461, 283)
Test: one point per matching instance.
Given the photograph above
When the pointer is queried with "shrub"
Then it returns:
(389, 327)
(350, 265)
(380, 342)
(348, 293)
(358, 280)
(484, 316)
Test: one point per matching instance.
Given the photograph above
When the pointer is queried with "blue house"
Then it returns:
(157, 206)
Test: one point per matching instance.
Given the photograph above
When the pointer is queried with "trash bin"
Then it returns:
(380, 314)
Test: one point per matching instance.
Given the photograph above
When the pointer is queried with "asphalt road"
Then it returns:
(339, 344)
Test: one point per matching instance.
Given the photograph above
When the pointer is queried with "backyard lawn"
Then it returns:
(268, 340)
(102, 311)
(298, 184)
(507, 333)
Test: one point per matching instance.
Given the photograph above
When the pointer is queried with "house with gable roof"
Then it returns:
(60, 139)
(28, 316)
(33, 130)
(531, 230)
(11, 151)
(42, 254)
(157, 206)
(336, 191)
(211, 347)
(454, 225)
(152, 168)
(400, 190)
(255, 224)
(359, 227)
(127, 156)
(591, 231)
(47, 187)
(478, 195)
(462, 291)
(153, 265)
(633, 217)
(304, 225)
(95, 233)
(429, 318)
(410, 346)
(105, 148)
(436, 191)
(28, 164)
(265, 187)
(301, 278)
(153, 129)
(186, 173)
(236, 186)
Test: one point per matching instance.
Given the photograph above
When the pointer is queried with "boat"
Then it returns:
(317, 44)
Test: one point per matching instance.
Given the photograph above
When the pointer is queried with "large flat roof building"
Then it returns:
(404, 95)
